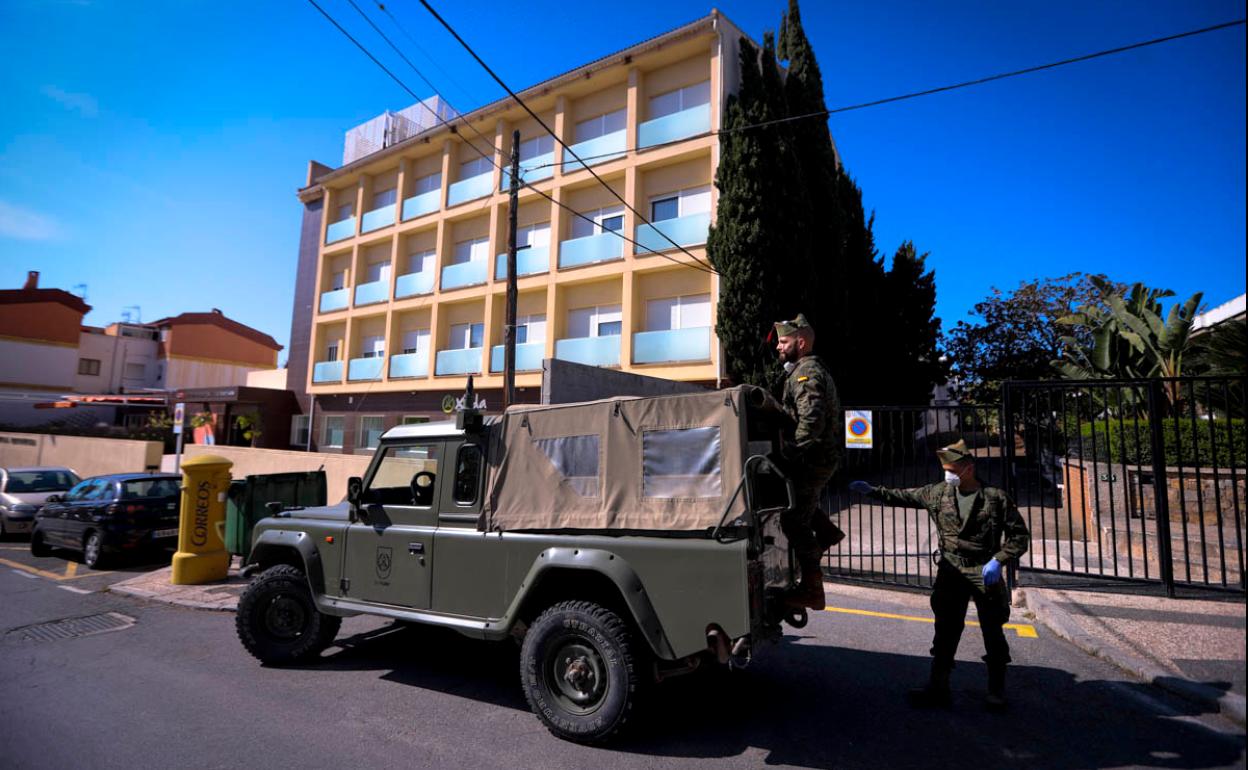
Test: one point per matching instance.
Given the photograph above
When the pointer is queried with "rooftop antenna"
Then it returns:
(135, 317)
(81, 290)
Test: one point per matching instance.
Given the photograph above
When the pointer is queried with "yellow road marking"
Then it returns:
(1023, 630)
(31, 570)
(71, 569)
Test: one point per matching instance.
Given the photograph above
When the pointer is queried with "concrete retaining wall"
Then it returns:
(250, 462)
(87, 456)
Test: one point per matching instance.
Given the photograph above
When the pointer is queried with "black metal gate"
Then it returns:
(1123, 480)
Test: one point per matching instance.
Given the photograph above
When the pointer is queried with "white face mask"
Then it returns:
(952, 479)
(789, 366)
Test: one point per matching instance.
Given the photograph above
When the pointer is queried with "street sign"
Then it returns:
(858, 429)
(179, 416)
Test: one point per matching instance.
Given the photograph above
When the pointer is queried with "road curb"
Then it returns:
(155, 587)
(1057, 620)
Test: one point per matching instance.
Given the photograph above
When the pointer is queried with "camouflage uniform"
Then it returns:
(810, 399)
(993, 529)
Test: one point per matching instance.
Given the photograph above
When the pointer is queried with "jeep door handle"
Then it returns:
(415, 548)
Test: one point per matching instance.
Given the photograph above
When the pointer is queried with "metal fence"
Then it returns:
(1122, 480)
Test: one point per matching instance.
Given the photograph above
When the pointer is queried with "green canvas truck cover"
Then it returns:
(663, 463)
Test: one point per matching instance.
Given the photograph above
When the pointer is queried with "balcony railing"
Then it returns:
(413, 283)
(530, 261)
(365, 368)
(597, 150)
(377, 218)
(462, 361)
(327, 371)
(335, 300)
(340, 230)
(419, 205)
(689, 230)
(591, 351)
(409, 365)
(471, 188)
(464, 274)
(673, 345)
(534, 169)
(528, 357)
(371, 293)
(602, 247)
(678, 125)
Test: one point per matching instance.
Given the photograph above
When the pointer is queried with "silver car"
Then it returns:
(23, 491)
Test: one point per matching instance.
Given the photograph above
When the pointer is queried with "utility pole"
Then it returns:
(509, 329)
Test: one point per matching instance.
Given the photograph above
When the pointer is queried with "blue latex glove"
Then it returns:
(992, 572)
(861, 487)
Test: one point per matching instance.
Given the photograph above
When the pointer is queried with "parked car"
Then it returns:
(106, 515)
(24, 490)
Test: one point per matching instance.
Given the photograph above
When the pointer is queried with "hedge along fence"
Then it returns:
(1206, 443)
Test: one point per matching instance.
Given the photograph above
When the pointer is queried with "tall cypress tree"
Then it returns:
(908, 319)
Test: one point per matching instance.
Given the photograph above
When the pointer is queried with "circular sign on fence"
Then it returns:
(859, 426)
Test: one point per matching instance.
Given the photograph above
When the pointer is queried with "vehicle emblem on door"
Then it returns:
(384, 560)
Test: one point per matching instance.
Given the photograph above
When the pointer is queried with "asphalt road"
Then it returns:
(175, 689)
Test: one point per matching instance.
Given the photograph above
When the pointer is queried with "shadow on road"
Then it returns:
(818, 706)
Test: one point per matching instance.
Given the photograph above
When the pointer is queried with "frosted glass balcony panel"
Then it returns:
(597, 150)
(602, 247)
(413, 283)
(365, 368)
(471, 188)
(678, 125)
(463, 361)
(409, 365)
(327, 371)
(530, 261)
(672, 345)
(464, 274)
(335, 300)
(689, 230)
(591, 351)
(419, 205)
(340, 230)
(377, 219)
(528, 357)
(372, 293)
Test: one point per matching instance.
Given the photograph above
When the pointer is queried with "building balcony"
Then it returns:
(464, 274)
(594, 151)
(413, 284)
(327, 371)
(591, 351)
(471, 188)
(365, 368)
(529, 261)
(371, 293)
(340, 230)
(335, 300)
(672, 346)
(602, 247)
(377, 219)
(409, 365)
(534, 169)
(528, 357)
(678, 125)
(462, 361)
(689, 230)
(419, 205)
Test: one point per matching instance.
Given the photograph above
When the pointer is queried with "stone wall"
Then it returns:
(86, 455)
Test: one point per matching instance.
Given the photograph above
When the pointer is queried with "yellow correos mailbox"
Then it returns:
(201, 556)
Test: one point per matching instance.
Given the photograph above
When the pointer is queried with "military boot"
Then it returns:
(935, 694)
(809, 593)
(995, 700)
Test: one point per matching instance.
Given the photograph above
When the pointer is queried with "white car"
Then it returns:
(23, 491)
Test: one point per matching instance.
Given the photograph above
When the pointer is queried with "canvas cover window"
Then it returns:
(576, 459)
(681, 464)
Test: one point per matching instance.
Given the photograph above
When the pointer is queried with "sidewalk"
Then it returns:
(221, 596)
(1191, 647)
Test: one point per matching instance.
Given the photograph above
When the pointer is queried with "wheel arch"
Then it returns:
(276, 546)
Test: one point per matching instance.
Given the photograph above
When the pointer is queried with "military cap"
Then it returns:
(786, 328)
(954, 453)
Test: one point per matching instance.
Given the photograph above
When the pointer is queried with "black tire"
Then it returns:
(278, 622)
(578, 670)
(37, 546)
(93, 550)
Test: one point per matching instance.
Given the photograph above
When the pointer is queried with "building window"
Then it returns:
(331, 435)
(689, 312)
(475, 250)
(416, 341)
(533, 235)
(466, 336)
(369, 434)
(414, 419)
(377, 271)
(344, 211)
(600, 126)
(135, 371)
(601, 321)
(598, 221)
(427, 184)
(680, 99)
(384, 198)
(338, 280)
(374, 347)
(299, 430)
(475, 167)
(422, 261)
(331, 351)
(536, 147)
(531, 328)
(89, 366)
(695, 200)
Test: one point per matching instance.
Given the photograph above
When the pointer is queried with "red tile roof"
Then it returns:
(217, 318)
(30, 296)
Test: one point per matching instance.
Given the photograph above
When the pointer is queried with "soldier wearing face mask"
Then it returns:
(980, 531)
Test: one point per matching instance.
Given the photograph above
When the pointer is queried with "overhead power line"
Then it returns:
(557, 138)
(698, 264)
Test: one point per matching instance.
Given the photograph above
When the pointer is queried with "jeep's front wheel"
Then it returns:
(278, 622)
(577, 667)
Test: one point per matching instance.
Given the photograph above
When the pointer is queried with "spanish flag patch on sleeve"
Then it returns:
(802, 379)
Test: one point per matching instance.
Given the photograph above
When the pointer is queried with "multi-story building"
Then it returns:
(400, 295)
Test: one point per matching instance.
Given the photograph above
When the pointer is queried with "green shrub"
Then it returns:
(1207, 443)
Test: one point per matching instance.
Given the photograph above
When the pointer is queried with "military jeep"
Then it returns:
(622, 541)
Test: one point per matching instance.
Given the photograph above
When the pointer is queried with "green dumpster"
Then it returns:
(247, 502)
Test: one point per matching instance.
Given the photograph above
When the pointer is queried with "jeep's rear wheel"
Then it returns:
(278, 622)
(578, 670)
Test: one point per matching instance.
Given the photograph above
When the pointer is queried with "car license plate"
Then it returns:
(165, 533)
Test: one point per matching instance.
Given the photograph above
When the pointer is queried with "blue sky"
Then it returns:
(151, 150)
